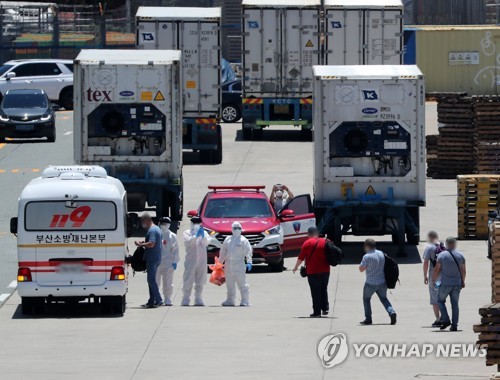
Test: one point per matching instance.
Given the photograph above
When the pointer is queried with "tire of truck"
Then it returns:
(66, 98)
(307, 134)
(247, 133)
(217, 153)
(412, 238)
(118, 304)
(258, 133)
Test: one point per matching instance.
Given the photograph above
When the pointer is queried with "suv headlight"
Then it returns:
(46, 117)
(273, 231)
(4, 118)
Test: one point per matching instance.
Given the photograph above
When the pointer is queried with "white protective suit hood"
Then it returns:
(236, 228)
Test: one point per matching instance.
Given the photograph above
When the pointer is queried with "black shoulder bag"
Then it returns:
(458, 266)
(303, 271)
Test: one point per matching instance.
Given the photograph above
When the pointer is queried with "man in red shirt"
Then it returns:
(317, 270)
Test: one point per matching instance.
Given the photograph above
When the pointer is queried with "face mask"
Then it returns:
(236, 232)
(279, 193)
(144, 226)
(165, 227)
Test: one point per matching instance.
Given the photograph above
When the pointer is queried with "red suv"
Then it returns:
(272, 235)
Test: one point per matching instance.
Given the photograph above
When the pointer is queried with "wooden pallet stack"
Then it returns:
(489, 329)
(477, 195)
(431, 144)
(487, 134)
(455, 153)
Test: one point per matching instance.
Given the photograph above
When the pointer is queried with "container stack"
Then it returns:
(489, 329)
(477, 196)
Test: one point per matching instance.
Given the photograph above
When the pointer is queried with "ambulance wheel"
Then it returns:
(106, 305)
(118, 304)
(247, 133)
(38, 305)
(27, 305)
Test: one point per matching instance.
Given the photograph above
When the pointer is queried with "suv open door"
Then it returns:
(296, 217)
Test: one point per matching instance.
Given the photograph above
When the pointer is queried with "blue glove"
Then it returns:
(174, 265)
(249, 267)
(200, 232)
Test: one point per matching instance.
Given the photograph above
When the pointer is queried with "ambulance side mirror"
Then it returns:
(13, 226)
(132, 223)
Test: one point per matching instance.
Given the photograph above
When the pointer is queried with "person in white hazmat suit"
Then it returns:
(169, 260)
(234, 251)
(196, 241)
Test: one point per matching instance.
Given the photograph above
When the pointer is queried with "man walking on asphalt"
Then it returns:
(434, 247)
(451, 266)
(373, 264)
(317, 270)
(152, 255)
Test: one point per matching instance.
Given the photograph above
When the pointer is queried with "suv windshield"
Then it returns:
(24, 101)
(238, 208)
(4, 69)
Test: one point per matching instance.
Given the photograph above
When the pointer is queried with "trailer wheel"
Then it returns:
(247, 133)
(217, 153)
(412, 238)
(257, 133)
(307, 134)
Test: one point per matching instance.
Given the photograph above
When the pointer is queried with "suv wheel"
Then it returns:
(52, 136)
(230, 113)
(66, 98)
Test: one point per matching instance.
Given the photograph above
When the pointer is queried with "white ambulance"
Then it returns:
(71, 239)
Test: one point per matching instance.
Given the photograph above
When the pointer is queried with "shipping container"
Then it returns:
(456, 58)
(127, 118)
(196, 32)
(369, 149)
(363, 32)
(280, 46)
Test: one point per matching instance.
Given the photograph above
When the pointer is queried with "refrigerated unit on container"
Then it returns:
(281, 43)
(369, 151)
(128, 119)
(196, 32)
(363, 32)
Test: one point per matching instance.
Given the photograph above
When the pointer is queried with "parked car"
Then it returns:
(27, 114)
(53, 76)
(272, 235)
(231, 101)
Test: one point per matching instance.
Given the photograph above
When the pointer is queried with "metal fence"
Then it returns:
(45, 30)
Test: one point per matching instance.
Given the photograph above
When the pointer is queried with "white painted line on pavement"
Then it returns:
(68, 133)
(3, 297)
(13, 284)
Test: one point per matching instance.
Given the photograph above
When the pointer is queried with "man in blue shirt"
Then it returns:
(152, 255)
(451, 266)
(373, 264)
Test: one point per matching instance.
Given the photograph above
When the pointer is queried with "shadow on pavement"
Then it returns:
(353, 253)
(26, 141)
(276, 135)
(62, 310)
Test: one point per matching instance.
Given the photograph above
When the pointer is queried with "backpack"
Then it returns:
(391, 272)
(137, 261)
(439, 248)
(333, 254)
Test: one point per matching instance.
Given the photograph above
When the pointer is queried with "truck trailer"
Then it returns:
(281, 43)
(128, 118)
(196, 33)
(369, 151)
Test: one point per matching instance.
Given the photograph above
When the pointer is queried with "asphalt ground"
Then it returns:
(272, 339)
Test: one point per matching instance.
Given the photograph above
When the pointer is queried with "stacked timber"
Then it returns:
(477, 196)
(431, 143)
(456, 137)
(489, 329)
(487, 133)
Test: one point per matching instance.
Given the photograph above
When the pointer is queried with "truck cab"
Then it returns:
(71, 233)
(273, 235)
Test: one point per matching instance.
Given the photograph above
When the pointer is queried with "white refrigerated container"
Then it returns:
(280, 46)
(363, 32)
(369, 132)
